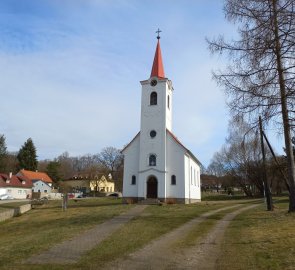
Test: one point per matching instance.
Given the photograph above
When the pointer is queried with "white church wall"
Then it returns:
(153, 118)
(192, 173)
(131, 165)
(175, 166)
(169, 105)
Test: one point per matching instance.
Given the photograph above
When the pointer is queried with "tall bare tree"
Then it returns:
(240, 157)
(111, 158)
(261, 77)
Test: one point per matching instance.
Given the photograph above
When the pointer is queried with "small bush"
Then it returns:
(130, 201)
(171, 201)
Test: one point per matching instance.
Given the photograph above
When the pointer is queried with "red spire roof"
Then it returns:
(158, 68)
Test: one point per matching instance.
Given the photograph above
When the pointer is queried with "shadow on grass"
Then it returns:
(224, 197)
(79, 204)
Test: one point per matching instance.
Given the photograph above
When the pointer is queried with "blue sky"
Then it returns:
(70, 72)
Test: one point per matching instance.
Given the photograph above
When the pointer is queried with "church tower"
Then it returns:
(156, 118)
(156, 164)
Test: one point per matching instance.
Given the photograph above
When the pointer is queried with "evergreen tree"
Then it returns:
(3, 153)
(27, 156)
(53, 170)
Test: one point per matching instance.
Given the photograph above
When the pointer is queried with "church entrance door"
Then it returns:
(152, 187)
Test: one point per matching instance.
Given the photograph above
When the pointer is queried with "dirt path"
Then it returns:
(71, 250)
(160, 255)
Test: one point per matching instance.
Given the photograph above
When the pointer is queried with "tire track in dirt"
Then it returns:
(159, 254)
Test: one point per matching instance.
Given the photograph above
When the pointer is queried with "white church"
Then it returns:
(156, 164)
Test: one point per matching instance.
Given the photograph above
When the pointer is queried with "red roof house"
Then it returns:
(19, 187)
(35, 176)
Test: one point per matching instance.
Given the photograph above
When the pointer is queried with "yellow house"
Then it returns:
(102, 185)
(95, 183)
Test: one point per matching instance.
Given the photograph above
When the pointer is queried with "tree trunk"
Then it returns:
(264, 176)
(286, 124)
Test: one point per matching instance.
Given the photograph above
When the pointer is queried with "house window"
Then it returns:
(133, 180)
(173, 180)
(19, 192)
(153, 98)
(152, 160)
(168, 102)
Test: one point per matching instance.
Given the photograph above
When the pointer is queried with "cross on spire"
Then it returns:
(158, 31)
(158, 68)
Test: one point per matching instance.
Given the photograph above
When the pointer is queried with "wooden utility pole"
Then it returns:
(264, 176)
(65, 201)
(276, 161)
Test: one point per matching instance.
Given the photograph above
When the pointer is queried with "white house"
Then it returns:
(16, 186)
(156, 164)
(41, 181)
(41, 186)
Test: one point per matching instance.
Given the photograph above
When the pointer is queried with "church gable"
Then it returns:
(187, 151)
(132, 143)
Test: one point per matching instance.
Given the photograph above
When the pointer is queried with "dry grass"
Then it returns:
(45, 226)
(196, 233)
(258, 239)
(155, 221)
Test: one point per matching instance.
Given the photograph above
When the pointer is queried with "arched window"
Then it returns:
(195, 182)
(133, 180)
(152, 160)
(153, 98)
(173, 180)
(168, 102)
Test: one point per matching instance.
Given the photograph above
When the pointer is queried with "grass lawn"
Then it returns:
(41, 228)
(155, 221)
(210, 196)
(258, 239)
(47, 225)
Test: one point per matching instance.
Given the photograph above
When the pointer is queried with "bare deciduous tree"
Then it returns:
(240, 157)
(111, 158)
(261, 77)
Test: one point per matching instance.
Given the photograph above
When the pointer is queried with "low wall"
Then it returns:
(24, 208)
(14, 212)
(7, 214)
